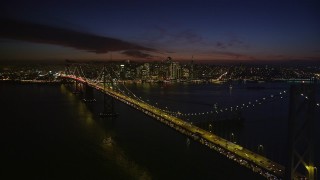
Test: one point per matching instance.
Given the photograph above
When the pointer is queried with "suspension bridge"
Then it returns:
(258, 163)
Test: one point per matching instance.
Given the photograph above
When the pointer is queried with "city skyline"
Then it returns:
(206, 30)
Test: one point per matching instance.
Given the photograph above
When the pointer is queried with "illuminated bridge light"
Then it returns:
(178, 125)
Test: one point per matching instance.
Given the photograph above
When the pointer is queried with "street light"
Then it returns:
(260, 148)
(232, 138)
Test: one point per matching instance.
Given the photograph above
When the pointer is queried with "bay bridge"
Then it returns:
(258, 163)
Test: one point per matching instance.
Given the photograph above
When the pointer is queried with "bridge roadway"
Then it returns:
(245, 157)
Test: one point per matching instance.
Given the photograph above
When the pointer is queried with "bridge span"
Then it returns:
(235, 152)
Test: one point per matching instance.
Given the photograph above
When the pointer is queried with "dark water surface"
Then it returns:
(49, 133)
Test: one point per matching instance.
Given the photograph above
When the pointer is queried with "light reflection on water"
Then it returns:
(110, 149)
(69, 136)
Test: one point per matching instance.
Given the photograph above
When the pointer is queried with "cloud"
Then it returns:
(232, 42)
(312, 57)
(221, 45)
(39, 33)
(170, 52)
(232, 55)
(164, 37)
(137, 54)
(235, 41)
(188, 36)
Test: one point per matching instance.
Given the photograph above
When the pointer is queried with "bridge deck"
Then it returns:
(243, 156)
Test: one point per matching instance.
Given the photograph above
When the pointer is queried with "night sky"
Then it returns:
(154, 29)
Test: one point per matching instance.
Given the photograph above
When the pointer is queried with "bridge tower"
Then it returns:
(108, 101)
(67, 69)
(74, 86)
(79, 88)
(301, 131)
